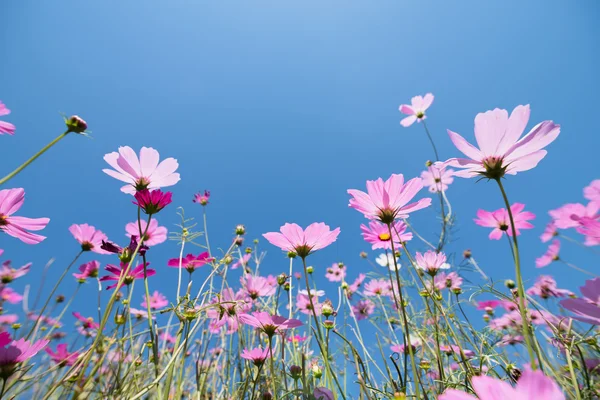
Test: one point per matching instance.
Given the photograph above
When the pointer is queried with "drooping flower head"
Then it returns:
(133, 274)
(269, 324)
(142, 173)
(303, 242)
(500, 150)
(152, 201)
(61, 356)
(154, 234)
(13, 352)
(191, 262)
(378, 234)
(388, 201)
(257, 356)
(500, 220)
(416, 110)
(87, 270)
(11, 201)
(5, 127)
(201, 198)
(431, 262)
(550, 255)
(89, 237)
(437, 177)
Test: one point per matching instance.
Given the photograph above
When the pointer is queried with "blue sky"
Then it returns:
(278, 107)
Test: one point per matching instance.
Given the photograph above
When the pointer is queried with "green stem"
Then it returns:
(437, 157)
(520, 288)
(33, 158)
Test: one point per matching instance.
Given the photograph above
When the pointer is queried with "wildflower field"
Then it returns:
(145, 292)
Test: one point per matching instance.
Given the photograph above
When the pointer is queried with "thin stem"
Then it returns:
(33, 158)
(437, 157)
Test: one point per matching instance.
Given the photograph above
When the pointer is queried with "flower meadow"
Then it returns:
(411, 326)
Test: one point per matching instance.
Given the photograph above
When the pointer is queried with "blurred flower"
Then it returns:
(387, 260)
(550, 255)
(154, 235)
(363, 309)
(303, 242)
(377, 287)
(569, 215)
(11, 201)
(592, 192)
(586, 309)
(500, 220)
(257, 356)
(437, 177)
(87, 270)
(322, 393)
(9, 274)
(191, 262)
(9, 295)
(242, 262)
(5, 127)
(202, 199)
(431, 262)
(545, 287)
(416, 110)
(157, 300)
(226, 308)
(62, 357)
(87, 323)
(549, 232)
(15, 352)
(336, 273)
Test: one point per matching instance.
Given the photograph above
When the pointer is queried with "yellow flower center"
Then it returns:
(384, 237)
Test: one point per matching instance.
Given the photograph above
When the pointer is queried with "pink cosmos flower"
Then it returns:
(142, 173)
(89, 237)
(489, 304)
(9, 295)
(151, 202)
(379, 236)
(591, 229)
(303, 302)
(401, 348)
(154, 235)
(9, 274)
(8, 319)
(157, 300)
(437, 177)
(139, 314)
(531, 385)
(87, 270)
(296, 339)
(549, 232)
(269, 324)
(592, 192)
(257, 286)
(227, 307)
(545, 287)
(317, 236)
(550, 255)
(500, 220)
(377, 287)
(61, 356)
(257, 356)
(191, 262)
(586, 309)
(202, 199)
(452, 349)
(11, 201)
(388, 201)
(452, 281)
(353, 288)
(134, 273)
(87, 323)
(5, 127)
(363, 309)
(242, 262)
(500, 150)
(431, 262)
(416, 110)
(569, 215)
(336, 273)
(16, 351)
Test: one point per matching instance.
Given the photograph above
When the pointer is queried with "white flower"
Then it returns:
(387, 260)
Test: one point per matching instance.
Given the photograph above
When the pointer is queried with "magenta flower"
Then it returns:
(89, 237)
(387, 201)
(378, 287)
(549, 232)
(152, 202)
(586, 309)
(531, 385)
(11, 201)
(431, 262)
(416, 110)
(157, 300)
(293, 238)
(500, 150)
(191, 262)
(142, 173)
(500, 220)
(378, 234)
(592, 192)
(437, 177)
(550, 255)
(257, 286)
(202, 199)
(5, 127)
(569, 215)
(87, 270)
(15, 352)
(118, 272)
(257, 356)
(9, 274)
(336, 273)
(61, 356)
(453, 349)
(269, 324)
(154, 235)
(363, 309)
(545, 287)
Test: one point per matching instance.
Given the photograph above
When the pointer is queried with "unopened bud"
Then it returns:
(363, 254)
(328, 324)
(467, 253)
(509, 283)
(240, 230)
(296, 372)
(291, 254)
(75, 124)
(309, 269)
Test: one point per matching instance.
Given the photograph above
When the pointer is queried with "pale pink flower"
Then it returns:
(242, 262)
(89, 237)
(437, 177)
(586, 309)
(452, 281)
(453, 349)
(388, 201)
(500, 220)
(139, 314)
(550, 255)
(87, 270)
(545, 287)
(296, 339)
(378, 234)
(363, 309)
(336, 273)
(191, 262)
(303, 302)
(416, 110)
(154, 235)
(569, 215)
(401, 348)
(531, 385)
(431, 262)
(303, 242)
(61, 356)
(13, 352)
(8, 319)
(11, 201)
(9, 295)
(269, 324)
(9, 274)
(489, 304)
(257, 356)
(227, 307)
(141, 173)
(500, 150)
(5, 127)
(377, 287)
(549, 233)
(353, 288)
(591, 229)
(592, 192)
(87, 323)
(157, 300)
(257, 286)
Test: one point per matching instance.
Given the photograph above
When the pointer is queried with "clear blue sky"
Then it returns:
(278, 107)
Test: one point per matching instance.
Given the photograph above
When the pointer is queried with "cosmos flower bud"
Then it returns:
(248, 250)
(291, 254)
(120, 319)
(486, 318)
(227, 259)
(329, 324)
(267, 396)
(281, 279)
(239, 241)
(286, 286)
(240, 230)
(425, 365)
(75, 124)
(428, 163)
(510, 284)
(327, 308)
(15, 326)
(296, 372)
(309, 269)
(317, 371)
(467, 253)
(60, 298)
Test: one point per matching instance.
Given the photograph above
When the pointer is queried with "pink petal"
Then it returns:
(7, 127)
(148, 160)
(427, 100)
(32, 224)
(489, 130)
(408, 121)
(492, 389)
(11, 200)
(465, 147)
